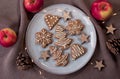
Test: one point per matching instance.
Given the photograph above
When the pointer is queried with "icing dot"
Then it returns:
(51, 17)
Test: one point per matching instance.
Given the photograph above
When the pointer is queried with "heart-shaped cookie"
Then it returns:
(77, 51)
(51, 20)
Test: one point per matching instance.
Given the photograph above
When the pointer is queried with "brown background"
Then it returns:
(13, 15)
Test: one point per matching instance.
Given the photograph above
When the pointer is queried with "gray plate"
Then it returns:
(37, 23)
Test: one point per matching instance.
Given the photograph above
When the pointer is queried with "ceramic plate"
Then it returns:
(37, 23)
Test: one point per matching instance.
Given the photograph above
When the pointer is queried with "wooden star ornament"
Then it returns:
(45, 55)
(110, 29)
(99, 65)
(67, 15)
(84, 38)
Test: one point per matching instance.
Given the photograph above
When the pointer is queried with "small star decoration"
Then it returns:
(99, 65)
(110, 29)
(45, 55)
(67, 15)
(84, 38)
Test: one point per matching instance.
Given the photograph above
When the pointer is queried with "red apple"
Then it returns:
(7, 37)
(101, 9)
(33, 6)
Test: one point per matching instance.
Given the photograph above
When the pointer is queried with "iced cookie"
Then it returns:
(74, 27)
(55, 52)
(45, 55)
(60, 32)
(84, 38)
(58, 35)
(77, 51)
(59, 28)
(64, 43)
(63, 60)
(51, 20)
(43, 38)
(52, 49)
(67, 15)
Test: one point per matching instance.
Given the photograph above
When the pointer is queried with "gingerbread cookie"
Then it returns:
(64, 43)
(43, 38)
(59, 28)
(58, 35)
(60, 32)
(51, 20)
(74, 27)
(77, 51)
(52, 49)
(56, 53)
(67, 15)
(62, 61)
(45, 55)
(84, 38)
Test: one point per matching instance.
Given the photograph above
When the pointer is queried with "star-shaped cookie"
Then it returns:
(67, 15)
(84, 38)
(77, 51)
(110, 29)
(99, 65)
(45, 55)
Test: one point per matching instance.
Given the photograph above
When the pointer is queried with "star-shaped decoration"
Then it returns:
(45, 55)
(99, 65)
(84, 38)
(110, 29)
(67, 15)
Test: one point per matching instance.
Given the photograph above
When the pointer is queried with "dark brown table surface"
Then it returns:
(13, 15)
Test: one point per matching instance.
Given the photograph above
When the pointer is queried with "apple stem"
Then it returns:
(4, 34)
(32, 1)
